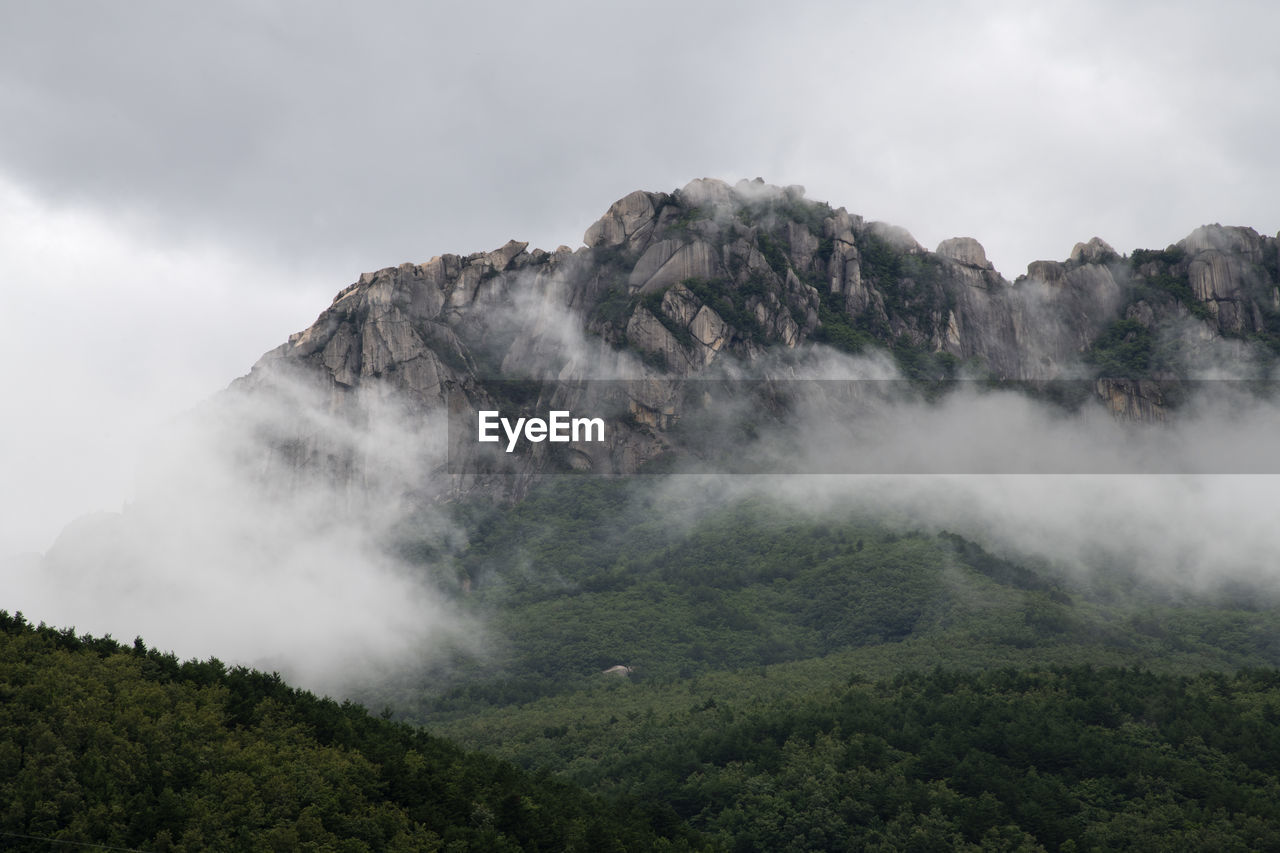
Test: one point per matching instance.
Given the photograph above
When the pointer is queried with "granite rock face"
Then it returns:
(717, 279)
(965, 250)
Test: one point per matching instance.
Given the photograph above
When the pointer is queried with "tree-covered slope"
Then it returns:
(122, 747)
(674, 582)
(1069, 758)
(813, 680)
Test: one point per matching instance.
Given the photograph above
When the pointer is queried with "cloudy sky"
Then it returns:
(183, 185)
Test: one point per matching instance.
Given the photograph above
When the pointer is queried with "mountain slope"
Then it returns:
(807, 679)
(102, 744)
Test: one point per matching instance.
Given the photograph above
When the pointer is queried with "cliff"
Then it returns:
(714, 280)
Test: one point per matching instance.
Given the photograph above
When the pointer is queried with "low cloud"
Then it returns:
(267, 523)
(265, 534)
(1186, 505)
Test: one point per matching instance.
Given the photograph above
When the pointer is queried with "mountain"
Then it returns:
(714, 328)
(739, 663)
(718, 281)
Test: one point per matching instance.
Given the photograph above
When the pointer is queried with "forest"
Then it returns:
(799, 679)
(110, 746)
(814, 680)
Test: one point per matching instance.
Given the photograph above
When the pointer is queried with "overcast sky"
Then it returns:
(183, 185)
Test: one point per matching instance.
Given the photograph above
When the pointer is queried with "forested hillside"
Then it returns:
(1069, 758)
(125, 747)
(665, 576)
(817, 680)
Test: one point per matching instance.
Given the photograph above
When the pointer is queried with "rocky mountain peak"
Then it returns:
(1231, 240)
(626, 218)
(965, 250)
(714, 277)
(1096, 251)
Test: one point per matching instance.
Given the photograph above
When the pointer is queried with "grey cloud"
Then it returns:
(399, 131)
(392, 132)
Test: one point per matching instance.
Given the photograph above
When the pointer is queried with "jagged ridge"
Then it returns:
(684, 280)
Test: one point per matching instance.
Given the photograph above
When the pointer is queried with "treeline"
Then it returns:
(106, 744)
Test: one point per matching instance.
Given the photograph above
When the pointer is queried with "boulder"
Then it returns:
(1096, 251)
(965, 250)
(625, 218)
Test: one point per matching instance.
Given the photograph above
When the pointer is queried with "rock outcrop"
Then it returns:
(714, 280)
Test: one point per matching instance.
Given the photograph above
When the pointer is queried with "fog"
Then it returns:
(265, 523)
(263, 534)
(266, 520)
(110, 333)
(1186, 504)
